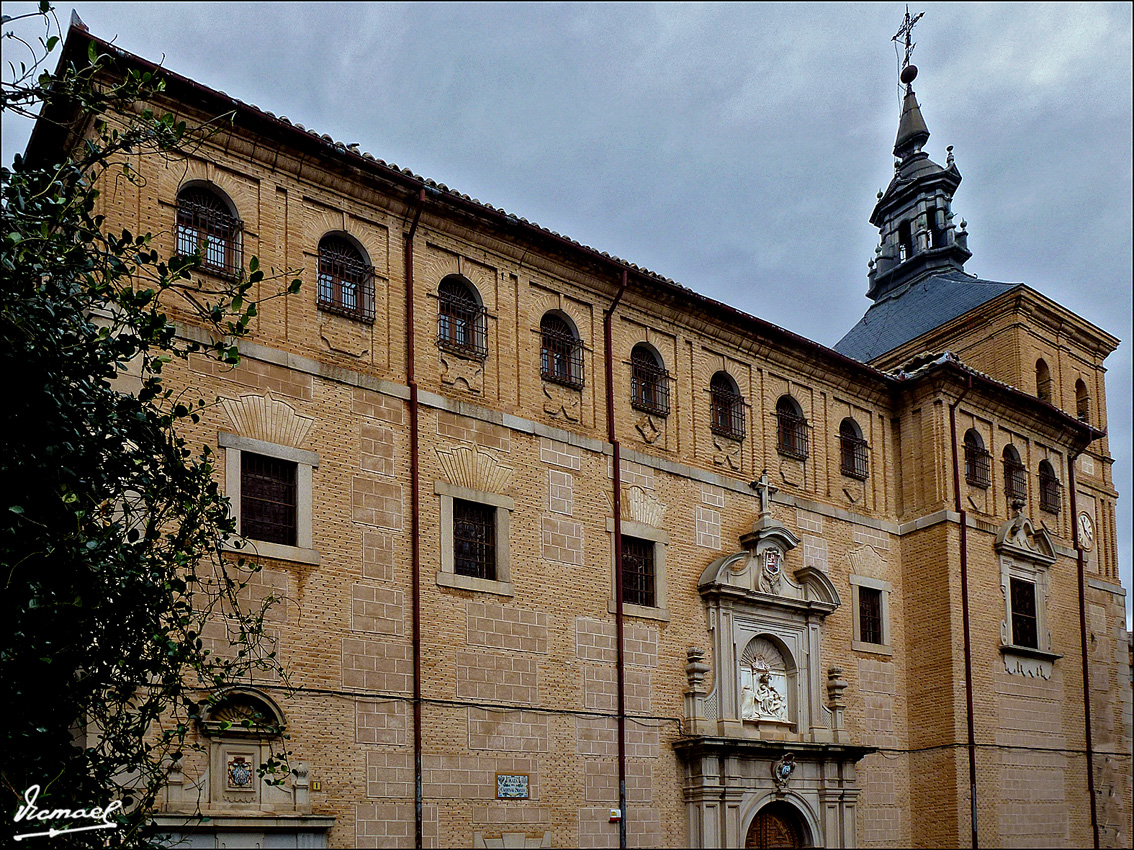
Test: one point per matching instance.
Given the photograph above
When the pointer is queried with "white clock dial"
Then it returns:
(1086, 531)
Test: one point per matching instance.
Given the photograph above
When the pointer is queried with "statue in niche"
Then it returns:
(763, 685)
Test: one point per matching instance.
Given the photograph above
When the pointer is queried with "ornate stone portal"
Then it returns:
(764, 734)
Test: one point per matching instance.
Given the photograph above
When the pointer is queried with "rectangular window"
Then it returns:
(1024, 631)
(268, 504)
(474, 540)
(638, 572)
(870, 615)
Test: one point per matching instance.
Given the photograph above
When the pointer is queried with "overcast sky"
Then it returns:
(735, 149)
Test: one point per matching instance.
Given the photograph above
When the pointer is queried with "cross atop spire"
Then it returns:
(904, 37)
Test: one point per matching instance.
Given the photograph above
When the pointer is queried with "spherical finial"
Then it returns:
(909, 74)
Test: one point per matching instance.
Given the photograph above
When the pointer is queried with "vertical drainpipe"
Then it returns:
(1083, 644)
(414, 525)
(617, 465)
(965, 605)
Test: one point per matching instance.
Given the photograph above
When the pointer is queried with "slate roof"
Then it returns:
(922, 306)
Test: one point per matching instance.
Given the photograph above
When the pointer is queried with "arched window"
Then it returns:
(977, 465)
(208, 227)
(791, 428)
(935, 220)
(852, 450)
(905, 241)
(561, 351)
(1015, 476)
(1082, 401)
(649, 381)
(727, 407)
(1043, 380)
(346, 280)
(460, 318)
(1049, 488)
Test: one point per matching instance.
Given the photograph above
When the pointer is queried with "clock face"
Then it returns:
(1086, 531)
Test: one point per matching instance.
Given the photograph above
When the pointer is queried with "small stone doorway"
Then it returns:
(777, 825)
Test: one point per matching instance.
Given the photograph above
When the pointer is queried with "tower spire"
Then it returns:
(914, 215)
(912, 132)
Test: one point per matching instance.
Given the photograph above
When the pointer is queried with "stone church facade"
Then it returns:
(554, 535)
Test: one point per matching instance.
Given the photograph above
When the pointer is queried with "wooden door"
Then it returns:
(776, 825)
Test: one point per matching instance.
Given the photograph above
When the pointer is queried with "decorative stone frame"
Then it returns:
(447, 575)
(1026, 554)
(857, 643)
(229, 740)
(730, 761)
(305, 461)
(660, 538)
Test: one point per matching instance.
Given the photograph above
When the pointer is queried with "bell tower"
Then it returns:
(914, 215)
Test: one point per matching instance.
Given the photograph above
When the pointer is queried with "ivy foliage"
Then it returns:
(112, 527)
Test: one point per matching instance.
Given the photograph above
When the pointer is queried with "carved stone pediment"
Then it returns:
(1020, 539)
(762, 571)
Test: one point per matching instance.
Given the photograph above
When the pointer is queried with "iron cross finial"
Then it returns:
(904, 33)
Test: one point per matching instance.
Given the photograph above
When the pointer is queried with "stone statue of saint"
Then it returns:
(769, 702)
(759, 699)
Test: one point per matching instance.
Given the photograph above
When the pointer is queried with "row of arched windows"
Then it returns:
(978, 473)
(209, 228)
(461, 329)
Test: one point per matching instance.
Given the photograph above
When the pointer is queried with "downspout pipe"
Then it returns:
(965, 605)
(415, 536)
(607, 316)
(1081, 563)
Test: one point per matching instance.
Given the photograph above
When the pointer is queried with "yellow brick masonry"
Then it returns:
(524, 684)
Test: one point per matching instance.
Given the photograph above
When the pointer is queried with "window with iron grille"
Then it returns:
(638, 572)
(1049, 488)
(205, 227)
(727, 407)
(346, 282)
(852, 450)
(870, 615)
(978, 471)
(1015, 476)
(791, 429)
(649, 382)
(1024, 628)
(561, 352)
(460, 319)
(474, 539)
(268, 499)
